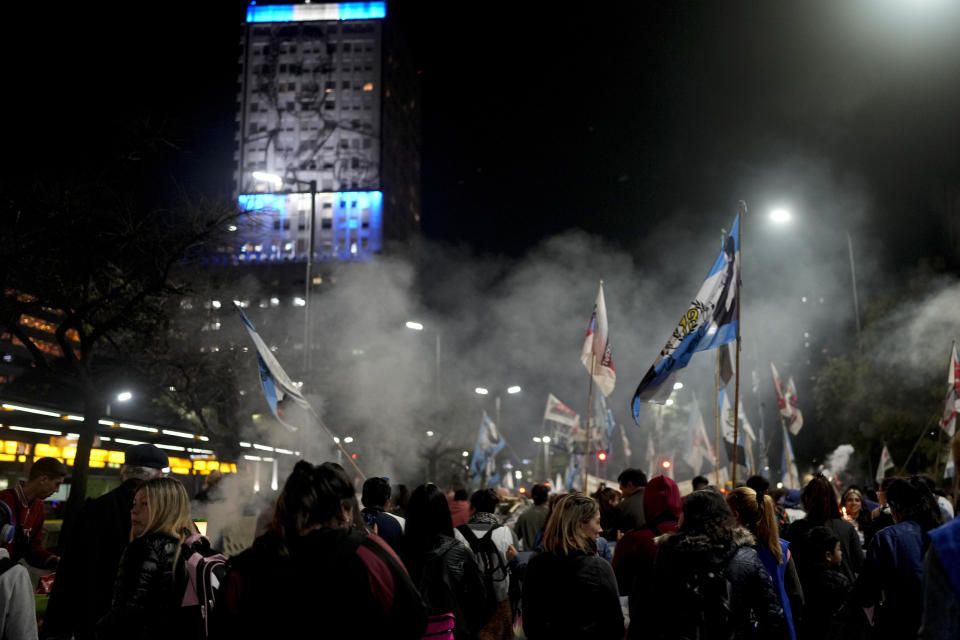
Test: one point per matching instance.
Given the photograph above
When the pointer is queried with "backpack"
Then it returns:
(710, 593)
(490, 560)
(205, 569)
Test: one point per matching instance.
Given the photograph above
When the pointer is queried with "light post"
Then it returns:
(418, 326)
(277, 182)
(783, 216)
(546, 454)
(123, 396)
(512, 390)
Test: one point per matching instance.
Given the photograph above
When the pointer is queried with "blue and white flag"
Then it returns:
(573, 471)
(489, 444)
(710, 321)
(281, 392)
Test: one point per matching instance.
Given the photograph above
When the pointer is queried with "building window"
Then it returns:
(368, 86)
(329, 105)
(326, 223)
(367, 143)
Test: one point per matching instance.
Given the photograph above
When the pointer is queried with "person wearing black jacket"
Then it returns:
(569, 565)
(92, 545)
(315, 574)
(150, 583)
(441, 566)
(710, 549)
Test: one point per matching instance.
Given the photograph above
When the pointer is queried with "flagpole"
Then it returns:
(716, 421)
(936, 464)
(916, 444)
(788, 458)
(586, 462)
(336, 441)
(742, 206)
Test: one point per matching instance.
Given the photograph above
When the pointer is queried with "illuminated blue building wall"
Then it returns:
(349, 226)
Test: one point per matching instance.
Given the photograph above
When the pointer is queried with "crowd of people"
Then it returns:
(639, 562)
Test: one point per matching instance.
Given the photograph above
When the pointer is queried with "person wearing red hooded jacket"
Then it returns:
(634, 554)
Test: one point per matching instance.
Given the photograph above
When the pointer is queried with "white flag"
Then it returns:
(952, 404)
(700, 446)
(596, 352)
(795, 418)
(556, 411)
(886, 462)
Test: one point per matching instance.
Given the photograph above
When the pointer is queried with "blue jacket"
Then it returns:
(892, 574)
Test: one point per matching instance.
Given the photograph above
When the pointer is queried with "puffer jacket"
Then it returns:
(449, 581)
(590, 607)
(755, 610)
(147, 591)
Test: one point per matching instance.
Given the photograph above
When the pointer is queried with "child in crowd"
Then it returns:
(828, 588)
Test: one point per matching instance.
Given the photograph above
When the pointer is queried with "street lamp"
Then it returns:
(782, 216)
(277, 182)
(418, 326)
(123, 396)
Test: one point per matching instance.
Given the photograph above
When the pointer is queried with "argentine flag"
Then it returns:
(281, 393)
(489, 444)
(710, 321)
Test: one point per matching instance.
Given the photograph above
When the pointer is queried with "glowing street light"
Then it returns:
(780, 216)
(416, 326)
(123, 396)
(514, 389)
(482, 391)
(677, 386)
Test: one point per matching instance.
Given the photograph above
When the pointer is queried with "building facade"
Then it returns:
(327, 110)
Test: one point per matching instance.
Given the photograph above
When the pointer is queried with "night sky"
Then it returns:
(636, 125)
(607, 119)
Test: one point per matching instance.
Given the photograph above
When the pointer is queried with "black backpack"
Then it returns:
(490, 560)
(710, 594)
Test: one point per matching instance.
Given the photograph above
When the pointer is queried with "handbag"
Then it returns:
(440, 627)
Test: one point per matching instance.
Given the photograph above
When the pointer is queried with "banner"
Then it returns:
(711, 320)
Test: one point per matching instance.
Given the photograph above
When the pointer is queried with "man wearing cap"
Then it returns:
(91, 552)
(26, 503)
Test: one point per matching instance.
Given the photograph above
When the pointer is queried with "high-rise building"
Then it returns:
(328, 110)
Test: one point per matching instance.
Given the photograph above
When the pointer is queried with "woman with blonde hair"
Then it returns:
(756, 513)
(569, 565)
(150, 582)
